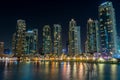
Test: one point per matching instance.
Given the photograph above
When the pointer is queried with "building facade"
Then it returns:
(31, 42)
(13, 43)
(92, 42)
(77, 40)
(1, 47)
(47, 40)
(57, 39)
(20, 37)
(108, 35)
(74, 38)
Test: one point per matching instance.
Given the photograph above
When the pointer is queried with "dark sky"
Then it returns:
(37, 13)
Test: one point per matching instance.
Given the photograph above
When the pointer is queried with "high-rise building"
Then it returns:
(74, 38)
(20, 37)
(108, 35)
(31, 42)
(92, 42)
(77, 40)
(47, 41)
(1, 47)
(57, 39)
(118, 44)
(13, 43)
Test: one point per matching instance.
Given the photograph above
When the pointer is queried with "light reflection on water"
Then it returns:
(53, 70)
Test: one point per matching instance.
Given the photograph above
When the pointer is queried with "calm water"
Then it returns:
(46, 70)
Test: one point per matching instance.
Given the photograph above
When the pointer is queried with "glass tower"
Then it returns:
(57, 39)
(31, 42)
(92, 42)
(13, 43)
(74, 38)
(47, 41)
(108, 35)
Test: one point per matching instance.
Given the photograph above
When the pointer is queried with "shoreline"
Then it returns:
(110, 62)
(100, 60)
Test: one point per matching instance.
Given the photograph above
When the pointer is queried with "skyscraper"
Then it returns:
(13, 43)
(31, 42)
(92, 42)
(47, 41)
(77, 40)
(57, 39)
(20, 37)
(74, 38)
(108, 35)
(1, 47)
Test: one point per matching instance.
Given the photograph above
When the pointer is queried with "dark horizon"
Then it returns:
(39, 13)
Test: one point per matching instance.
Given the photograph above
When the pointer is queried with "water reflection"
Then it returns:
(53, 70)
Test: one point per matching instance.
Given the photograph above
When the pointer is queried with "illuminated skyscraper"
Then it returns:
(57, 39)
(92, 42)
(118, 43)
(47, 41)
(13, 42)
(74, 38)
(1, 47)
(20, 37)
(31, 42)
(108, 33)
(77, 40)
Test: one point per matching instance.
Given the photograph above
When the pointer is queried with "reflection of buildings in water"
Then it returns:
(53, 70)
(64, 71)
(47, 64)
(106, 70)
(114, 70)
(90, 72)
(101, 71)
(81, 69)
(76, 71)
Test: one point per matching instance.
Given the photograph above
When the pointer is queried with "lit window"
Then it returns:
(107, 9)
(100, 13)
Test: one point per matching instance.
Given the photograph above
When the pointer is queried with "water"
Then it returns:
(46, 70)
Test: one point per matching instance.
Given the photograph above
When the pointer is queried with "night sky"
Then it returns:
(38, 13)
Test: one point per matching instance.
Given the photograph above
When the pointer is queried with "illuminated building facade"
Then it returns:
(93, 39)
(1, 47)
(77, 40)
(57, 39)
(118, 42)
(74, 38)
(31, 42)
(108, 35)
(47, 41)
(20, 37)
(13, 42)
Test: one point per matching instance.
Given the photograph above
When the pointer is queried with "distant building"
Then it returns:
(93, 39)
(19, 37)
(47, 40)
(57, 39)
(14, 43)
(1, 47)
(74, 38)
(118, 44)
(77, 40)
(31, 42)
(108, 35)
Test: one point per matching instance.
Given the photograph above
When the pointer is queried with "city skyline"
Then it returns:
(59, 40)
(33, 22)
